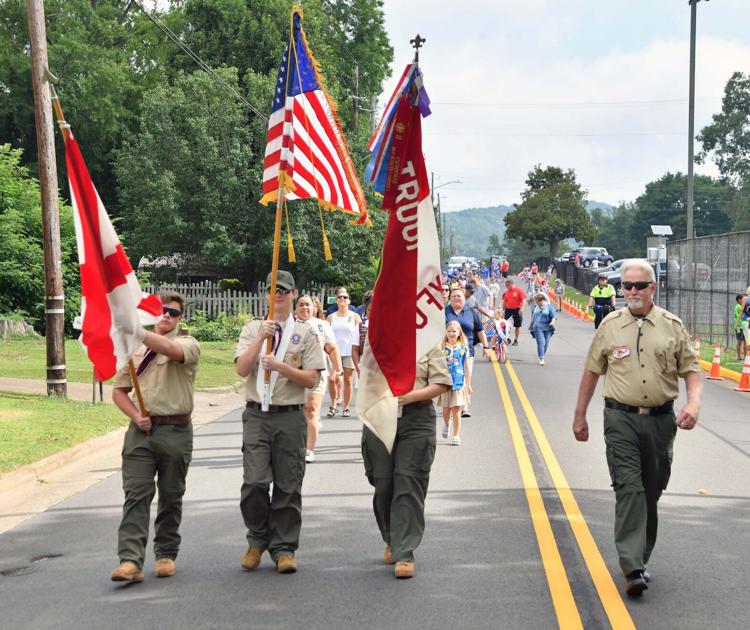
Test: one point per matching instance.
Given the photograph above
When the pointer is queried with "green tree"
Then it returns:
(494, 246)
(21, 247)
(614, 229)
(553, 208)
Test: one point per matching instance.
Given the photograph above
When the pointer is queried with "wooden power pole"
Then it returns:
(45, 140)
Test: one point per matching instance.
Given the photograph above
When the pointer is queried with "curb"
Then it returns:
(235, 388)
(725, 372)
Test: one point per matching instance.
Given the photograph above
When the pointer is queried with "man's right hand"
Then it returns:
(580, 428)
(267, 329)
(142, 422)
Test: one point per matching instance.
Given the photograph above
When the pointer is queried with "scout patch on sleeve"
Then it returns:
(620, 352)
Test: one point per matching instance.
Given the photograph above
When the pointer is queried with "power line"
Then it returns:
(573, 104)
(202, 64)
(554, 135)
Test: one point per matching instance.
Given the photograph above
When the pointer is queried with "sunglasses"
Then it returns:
(638, 286)
(172, 312)
(279, 291)
(342, 297)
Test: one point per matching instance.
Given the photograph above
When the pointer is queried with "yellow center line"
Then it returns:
(614, 606)
(559, 585)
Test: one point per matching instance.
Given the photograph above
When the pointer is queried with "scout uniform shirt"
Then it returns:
(432, 369)
(303, 352)
(642, 363)
(166, 385)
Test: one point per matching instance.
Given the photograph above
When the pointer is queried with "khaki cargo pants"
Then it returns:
(639, 455)
(273, 451)
(401, 478)
(166, 455)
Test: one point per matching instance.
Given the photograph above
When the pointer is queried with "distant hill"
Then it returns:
(472, 227)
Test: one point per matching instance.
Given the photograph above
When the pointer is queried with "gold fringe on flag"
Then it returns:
(289, 244)
(326, 244)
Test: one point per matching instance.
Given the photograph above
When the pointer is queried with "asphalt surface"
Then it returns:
(479, 565)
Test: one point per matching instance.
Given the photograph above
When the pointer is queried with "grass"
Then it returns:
(26, 358)
(33, 427)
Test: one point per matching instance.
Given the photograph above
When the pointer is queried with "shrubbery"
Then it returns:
(222, 328)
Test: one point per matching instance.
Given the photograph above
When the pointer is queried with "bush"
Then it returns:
(223, 328)
(231, 284)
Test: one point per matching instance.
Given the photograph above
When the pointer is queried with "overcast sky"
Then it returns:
(597, 86)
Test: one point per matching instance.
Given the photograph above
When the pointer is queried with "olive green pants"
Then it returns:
(273, 451)
(639, 455)
(401, 478)
(166, 455)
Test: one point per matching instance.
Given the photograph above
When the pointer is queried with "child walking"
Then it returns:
(456, 351)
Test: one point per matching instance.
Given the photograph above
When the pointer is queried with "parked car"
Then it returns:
(565, 257)
(457, 262)
(587, 255)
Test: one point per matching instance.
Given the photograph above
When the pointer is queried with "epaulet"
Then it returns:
(612, 316)
(667, 315)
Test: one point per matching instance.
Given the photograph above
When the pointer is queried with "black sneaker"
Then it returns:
(515, 342)
(635, 584)
(465, 414)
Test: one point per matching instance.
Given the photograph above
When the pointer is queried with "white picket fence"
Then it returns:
(213, 300)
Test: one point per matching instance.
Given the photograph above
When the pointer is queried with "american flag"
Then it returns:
(306, 149)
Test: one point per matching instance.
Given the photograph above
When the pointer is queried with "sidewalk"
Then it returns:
(38, 486)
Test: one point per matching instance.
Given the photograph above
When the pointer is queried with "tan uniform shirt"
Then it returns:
(303, 352)
(642, 365)
(166, 385)
(432, 369)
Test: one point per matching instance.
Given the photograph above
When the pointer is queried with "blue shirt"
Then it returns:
(470, 322)
(456, 359)
(541, 317)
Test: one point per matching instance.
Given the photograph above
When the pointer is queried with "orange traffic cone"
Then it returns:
(715, 374)
(744, 385)
(697, 348)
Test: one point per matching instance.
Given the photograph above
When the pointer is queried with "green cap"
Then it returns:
(284, 279)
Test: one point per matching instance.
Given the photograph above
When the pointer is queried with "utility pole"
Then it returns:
(373, 113)
(691, 159)
(355, 122)
(45, 140)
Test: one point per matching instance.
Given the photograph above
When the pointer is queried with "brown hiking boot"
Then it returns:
(404, 570)
(127, 572)
(387, 555)
(251, 559)
(165, 567)
(286, 564)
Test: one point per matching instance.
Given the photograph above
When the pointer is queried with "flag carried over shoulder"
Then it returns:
(306, 151)
(407, 320)
(113, 306)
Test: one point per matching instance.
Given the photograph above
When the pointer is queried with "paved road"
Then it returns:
(480, 564)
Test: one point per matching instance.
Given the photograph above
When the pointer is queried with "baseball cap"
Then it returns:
(284, 279)
(469, 286)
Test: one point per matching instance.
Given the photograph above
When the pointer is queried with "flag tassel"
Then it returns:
(291, 256)
(326, 244)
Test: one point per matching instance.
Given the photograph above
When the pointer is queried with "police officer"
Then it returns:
(643, 350)
(602, 297)
(400, 478)
(159, 444)
(274, 441)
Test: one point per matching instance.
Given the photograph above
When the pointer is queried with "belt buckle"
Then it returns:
(644, 411)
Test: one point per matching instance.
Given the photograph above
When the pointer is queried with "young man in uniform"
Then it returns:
(400, 478)
(643, 350)
(274, 441)
(158, 444)
(514, 300)
(602, 297)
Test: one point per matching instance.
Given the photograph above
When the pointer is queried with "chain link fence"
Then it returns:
(703, 293)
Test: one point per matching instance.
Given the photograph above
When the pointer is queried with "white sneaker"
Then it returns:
(444, 432)
(309, 456)
(456, 441)
(541, 361)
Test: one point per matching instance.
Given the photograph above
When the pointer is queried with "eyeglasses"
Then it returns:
(342, 297)
(172, 312)
(638, 286)
(279, 291)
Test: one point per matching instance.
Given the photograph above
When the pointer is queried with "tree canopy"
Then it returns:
(553, 208)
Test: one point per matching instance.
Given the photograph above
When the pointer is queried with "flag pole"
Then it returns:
(65, 131)
(266, 395)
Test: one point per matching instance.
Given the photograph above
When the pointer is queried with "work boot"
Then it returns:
(387, 555)
(127, 572)
(165, 567)
(251, 559)
(404, 570)
(635, 583)
(286, 564)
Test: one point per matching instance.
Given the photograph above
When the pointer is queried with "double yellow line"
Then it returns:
(562, 595)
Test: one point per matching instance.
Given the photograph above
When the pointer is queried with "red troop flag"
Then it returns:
(113, 307)
(408, 285)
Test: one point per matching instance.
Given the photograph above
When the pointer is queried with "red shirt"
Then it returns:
(504, 266)
(514, 298)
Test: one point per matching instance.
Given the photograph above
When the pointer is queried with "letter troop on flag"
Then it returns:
(113, 306)
(407, 318)
(306, 151)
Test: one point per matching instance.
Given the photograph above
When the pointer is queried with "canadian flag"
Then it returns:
(113, 306)
(407, 319)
